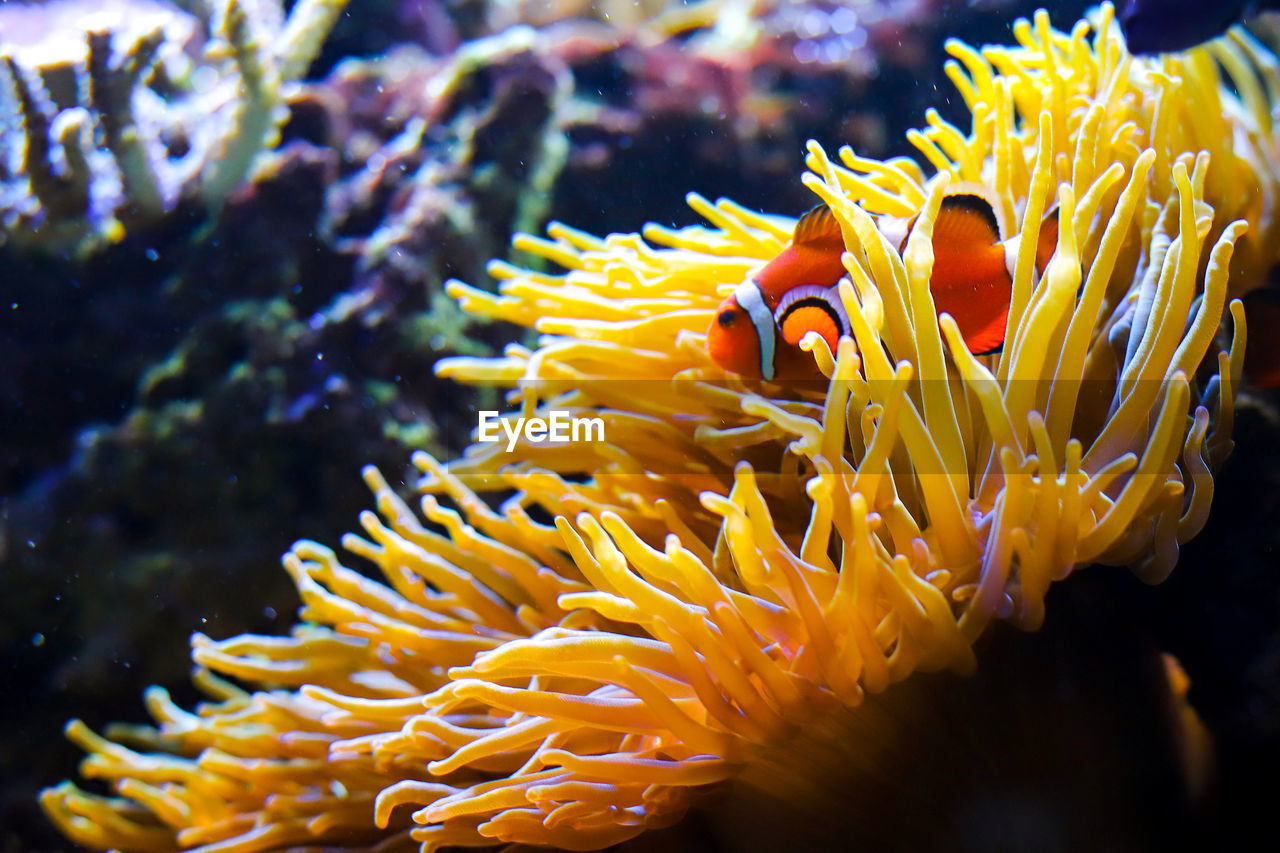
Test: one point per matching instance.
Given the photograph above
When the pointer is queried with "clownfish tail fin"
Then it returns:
(994, 349)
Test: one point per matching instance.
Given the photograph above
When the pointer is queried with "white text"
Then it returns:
(557, 428)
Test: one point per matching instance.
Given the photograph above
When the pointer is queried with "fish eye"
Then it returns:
(727, 318)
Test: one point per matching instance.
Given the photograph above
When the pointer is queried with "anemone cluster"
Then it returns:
(112, 115)
(572, 642)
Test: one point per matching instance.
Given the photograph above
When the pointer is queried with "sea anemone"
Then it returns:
(582, 638)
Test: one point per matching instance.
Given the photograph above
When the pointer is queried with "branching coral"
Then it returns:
(110, 117)
(738, 559)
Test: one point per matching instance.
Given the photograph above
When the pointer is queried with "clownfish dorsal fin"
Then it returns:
(819, 225)
(968, 216)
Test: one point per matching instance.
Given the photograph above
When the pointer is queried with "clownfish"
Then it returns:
(756, 331)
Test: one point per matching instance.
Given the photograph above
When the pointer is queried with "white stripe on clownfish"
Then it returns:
(751, 298)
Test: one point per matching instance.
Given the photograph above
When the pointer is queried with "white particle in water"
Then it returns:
(806, 51)
(843, 20)
(814, 23)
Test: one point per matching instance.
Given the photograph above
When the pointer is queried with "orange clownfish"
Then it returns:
(756, 331)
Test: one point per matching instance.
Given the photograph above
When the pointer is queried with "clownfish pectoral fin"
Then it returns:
(818, 226)
(810, 308)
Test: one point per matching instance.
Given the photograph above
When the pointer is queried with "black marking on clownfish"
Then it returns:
(969, 202)
(967, 211)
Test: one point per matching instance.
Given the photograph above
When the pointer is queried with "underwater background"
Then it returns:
(198, 360)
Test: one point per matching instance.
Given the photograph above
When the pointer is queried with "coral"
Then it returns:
(577, 107)
(445, 159)
(758, 100)
(116, 115)
(583, 638)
